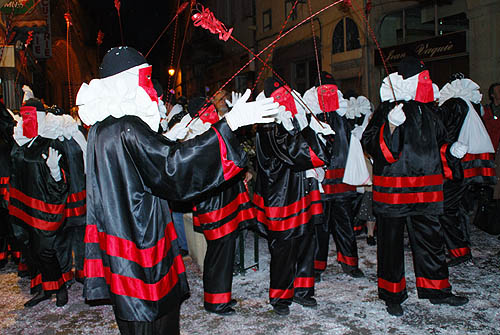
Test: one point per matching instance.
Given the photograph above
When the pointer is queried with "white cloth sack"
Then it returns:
(356, 172)
(474, 134)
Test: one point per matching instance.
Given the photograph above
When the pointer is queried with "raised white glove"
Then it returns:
(178, 132)
(285, 118)
(358, 132)
(235, 96)
(52, 162)
(458, 149)
(321, 127)
(397, 116)
(246, 113)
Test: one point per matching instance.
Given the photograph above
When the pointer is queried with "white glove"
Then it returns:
(235, 96)
(458, 149)
(53, 163)
(246, 113)
(285, 118)
(178, 132)
(397, 116)
(164, 124)
(358, 132)
(321, 127)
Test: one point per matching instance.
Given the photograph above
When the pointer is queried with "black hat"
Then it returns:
(119, 59)
(157, 86)
(455, 76)
(326, 79)
(271, 84)
(410, 66)
(56, 110)
(195, 105)
(34, 102)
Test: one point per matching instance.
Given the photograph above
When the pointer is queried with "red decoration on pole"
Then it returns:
(100, 37)
(347, 3)
(117, 5)
(67, 17)
(206, 19)
(368, 8)
(29, 39)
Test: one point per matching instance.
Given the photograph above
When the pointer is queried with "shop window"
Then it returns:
(266, 20)
(288, 9)
(345, 36)
(421, 22)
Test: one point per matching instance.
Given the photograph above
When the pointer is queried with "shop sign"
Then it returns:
(446, 45)
(17, 7)
(42, 41)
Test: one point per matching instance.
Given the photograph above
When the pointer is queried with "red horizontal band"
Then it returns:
(35, 203)
(4, 180)
(220, 214)
(392, 287)
(292, 222)
(78, 211)
(407, 198)
(34, 222)
(484, 157)
(385, 150)
(281, 294)
(459, 252)
(229, 227)
(316, 162)
(357, 228)
(479, 171)
(74, 197)
(286, 211)
(4, 192)
(36, 280)
(51, 285)
(217, 298)
(22, 267)
(319, 265)
(303, 282)
(352, 261)
(420, 181)
(120, 247)
(3, 255)
(435, 284)
(229, 168)
(334, 173)
(133, 287)
(16, 254)
(446, 169)
(338, 188)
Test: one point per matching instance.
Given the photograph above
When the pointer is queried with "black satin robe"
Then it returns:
(132, 255)
(410, 164)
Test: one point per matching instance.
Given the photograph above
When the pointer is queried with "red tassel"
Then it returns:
(207, 20)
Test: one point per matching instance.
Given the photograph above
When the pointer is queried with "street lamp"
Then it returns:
(171, 72)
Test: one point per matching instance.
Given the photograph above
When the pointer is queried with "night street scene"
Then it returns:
(249, 167)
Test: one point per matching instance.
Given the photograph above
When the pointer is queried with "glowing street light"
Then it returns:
(171, 72)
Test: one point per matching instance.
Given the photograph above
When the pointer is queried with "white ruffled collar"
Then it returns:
(404, 89)
(117, 96)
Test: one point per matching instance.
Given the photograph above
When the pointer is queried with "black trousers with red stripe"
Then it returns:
(218, 272)
(70, 248)
(292, 270)
(168, 324)
(339, 217)
(429, 260)
(41, 257)
(4, 235)
(454, 219)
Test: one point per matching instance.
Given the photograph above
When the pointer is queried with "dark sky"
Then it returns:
(142, 23)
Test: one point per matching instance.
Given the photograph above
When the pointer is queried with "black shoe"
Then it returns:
(305, 301)
(370, 240)
(224, 312)
(184, 253)
(394, 309)
(459, 260)
(232, 303)
(452, 300)
(41, 296)
(281, 309)
(62, 296)
(355, 273)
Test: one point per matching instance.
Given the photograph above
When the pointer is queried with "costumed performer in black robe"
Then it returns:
(411, 153)
(459, 110)
(132, 256)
